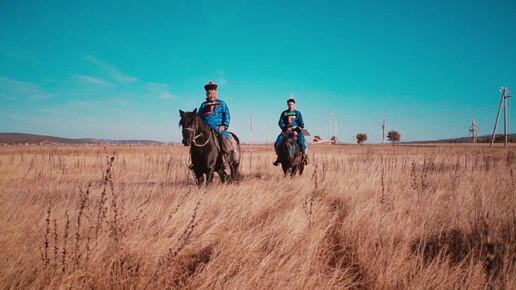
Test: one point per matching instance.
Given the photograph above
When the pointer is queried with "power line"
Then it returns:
(436, 116)
(424, 118)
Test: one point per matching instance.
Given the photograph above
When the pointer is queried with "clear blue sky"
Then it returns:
(123, 69)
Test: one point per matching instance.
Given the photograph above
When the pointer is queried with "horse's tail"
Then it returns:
(235, 136)
(235, 157)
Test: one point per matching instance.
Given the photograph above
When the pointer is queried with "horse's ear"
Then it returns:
(195, 111)
(181, 113)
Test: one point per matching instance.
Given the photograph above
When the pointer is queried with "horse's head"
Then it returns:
(190, 123)
(290, 145)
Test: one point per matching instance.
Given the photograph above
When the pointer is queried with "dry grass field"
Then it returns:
(361, 217)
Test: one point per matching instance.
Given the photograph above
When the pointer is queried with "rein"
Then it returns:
(197, 136)
(290, 148)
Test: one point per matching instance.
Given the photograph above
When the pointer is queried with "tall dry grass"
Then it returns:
(361, 217)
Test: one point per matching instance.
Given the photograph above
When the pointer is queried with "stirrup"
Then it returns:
(226, 166)
(305, 159)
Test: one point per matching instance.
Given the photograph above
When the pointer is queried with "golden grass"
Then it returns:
(362, 217)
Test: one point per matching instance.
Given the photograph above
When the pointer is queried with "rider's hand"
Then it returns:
(289, 129)
(222, 128)
(295, 133)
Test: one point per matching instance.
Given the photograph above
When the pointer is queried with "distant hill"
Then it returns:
(23, 138)
(499, 138)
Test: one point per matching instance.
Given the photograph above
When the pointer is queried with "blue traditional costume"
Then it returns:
(215, 113)
(292, 120)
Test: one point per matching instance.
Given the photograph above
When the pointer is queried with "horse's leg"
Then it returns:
(234, 170)
(235, 164)
(223, 176)
(218, 167)
(294, 171)
(209, 177)
(285, 169)
(200, 178)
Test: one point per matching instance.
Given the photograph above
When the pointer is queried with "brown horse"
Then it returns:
(204, 152)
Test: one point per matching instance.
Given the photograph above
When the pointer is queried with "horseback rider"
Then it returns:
(291, 120)
(215, 113)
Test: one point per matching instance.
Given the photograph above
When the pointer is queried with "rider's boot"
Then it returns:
(277, 162)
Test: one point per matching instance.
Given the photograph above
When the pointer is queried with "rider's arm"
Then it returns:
(225, 115)
(300, 121)
(281, 123)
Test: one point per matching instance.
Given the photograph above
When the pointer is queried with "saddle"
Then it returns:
(228, 146)
(290, 135)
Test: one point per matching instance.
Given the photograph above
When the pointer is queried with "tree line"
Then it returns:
(393, 136)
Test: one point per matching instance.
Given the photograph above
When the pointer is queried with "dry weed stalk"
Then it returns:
(315, 175)
(180, 202)
(102, 208)
(184, 238)
(82, 206)
(65, 242)
(114, 223)
(382, 199)
(308, 207)
(56, 250)
(419, 180)
(167, 264)
(47, 238)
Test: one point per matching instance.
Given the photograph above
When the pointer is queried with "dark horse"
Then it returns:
(290, 155)
(206, 158)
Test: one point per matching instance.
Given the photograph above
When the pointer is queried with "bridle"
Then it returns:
(197, 136)
(289, 141)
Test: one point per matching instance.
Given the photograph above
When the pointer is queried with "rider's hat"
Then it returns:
(291, 100)
(210, 86)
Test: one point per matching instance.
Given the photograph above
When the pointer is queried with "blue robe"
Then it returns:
(215, 114)
(291, 120)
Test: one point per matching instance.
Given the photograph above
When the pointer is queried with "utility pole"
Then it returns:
(329, 127)
(268, 127)
(336, 132)
(383, 129)
(503, 102)
(250, 128)
(506, 114)
(473, 130)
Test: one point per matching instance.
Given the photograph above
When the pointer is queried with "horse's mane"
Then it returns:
(202, 124)
(288, 141)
